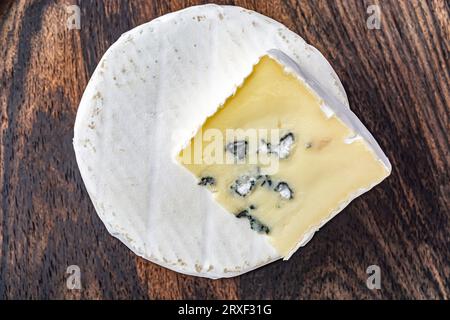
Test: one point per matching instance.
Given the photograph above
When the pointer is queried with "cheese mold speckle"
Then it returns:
(149, 96)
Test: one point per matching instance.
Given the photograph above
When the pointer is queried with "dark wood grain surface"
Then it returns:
(397, 79)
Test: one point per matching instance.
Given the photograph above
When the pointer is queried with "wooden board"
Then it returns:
(397, 79)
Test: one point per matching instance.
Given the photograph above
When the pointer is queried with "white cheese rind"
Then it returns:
(148, 96)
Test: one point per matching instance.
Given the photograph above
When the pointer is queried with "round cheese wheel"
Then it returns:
(148, 96)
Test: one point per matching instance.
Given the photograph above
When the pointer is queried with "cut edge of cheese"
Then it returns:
(230, 93)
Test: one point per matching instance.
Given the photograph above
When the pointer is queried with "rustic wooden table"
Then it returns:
(397, 79)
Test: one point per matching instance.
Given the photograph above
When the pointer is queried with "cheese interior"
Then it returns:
(321, 170)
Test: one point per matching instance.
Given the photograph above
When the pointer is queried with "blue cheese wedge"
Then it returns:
(317, 169)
